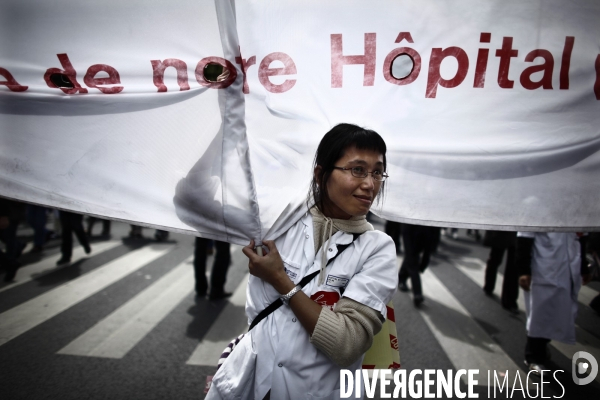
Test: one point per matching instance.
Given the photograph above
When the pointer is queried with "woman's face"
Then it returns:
(350, 196)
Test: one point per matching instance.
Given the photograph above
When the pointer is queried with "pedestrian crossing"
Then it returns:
(30, 314)
(119, 332)
(113, 336)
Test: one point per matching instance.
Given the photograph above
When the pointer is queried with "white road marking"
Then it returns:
(120, 331)
(30, 314)
(232, 322)
(466, 344)
(47, 265)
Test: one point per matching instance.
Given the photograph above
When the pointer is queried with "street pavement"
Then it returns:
(124, 323)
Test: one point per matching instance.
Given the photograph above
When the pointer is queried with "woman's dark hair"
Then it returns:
(333, 147)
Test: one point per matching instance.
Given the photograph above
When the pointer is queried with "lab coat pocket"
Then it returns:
(335, 395)
(235, 378)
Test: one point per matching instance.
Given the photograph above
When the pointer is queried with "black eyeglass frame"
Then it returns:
(384, 176)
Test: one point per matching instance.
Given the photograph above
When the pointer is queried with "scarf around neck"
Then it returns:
(324, 228)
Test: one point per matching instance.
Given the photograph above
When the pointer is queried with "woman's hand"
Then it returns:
(269, 267)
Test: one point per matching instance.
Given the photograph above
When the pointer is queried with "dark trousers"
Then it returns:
(419, 242)
(536, 350)
(510, 284)
(219, 269)
(9, 237)
(393, 229)
(72, 223)
(36, 218)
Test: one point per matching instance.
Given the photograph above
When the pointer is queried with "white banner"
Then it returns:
(490, 110)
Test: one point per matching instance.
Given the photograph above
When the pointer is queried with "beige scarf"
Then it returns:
(324, 228)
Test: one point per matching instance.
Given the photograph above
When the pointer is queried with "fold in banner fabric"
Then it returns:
(490, 110)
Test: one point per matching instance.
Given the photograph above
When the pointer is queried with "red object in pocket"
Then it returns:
(326, 299)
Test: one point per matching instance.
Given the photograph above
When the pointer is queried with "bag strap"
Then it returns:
(278, 303)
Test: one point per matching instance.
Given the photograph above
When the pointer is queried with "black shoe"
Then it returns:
(418, 300)
(403, 287)
(37, 250)
(489, 293)
(87, 249)
(11, 271)
(63, 260)
(535, 368)
(219, 295)
(512, 309)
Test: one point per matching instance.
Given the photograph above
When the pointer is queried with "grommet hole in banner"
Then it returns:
(214, 72)
(402, 66)
(61, 81)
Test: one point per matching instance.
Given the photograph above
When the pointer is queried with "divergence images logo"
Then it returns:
(581, 368)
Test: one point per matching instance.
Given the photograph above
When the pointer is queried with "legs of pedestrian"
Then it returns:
(219, 271)
(71, 223)
(536, 353)
(510, 283)
(218, 274)
(66, 245)
(200, 247)
(36, 218)
(14, 248)
(161, 235)
(135, 232)
(105, 228)
(393, 229)
(491, 269)
(413, 246)
(77, 227)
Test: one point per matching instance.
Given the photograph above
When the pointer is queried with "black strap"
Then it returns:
(278, 303)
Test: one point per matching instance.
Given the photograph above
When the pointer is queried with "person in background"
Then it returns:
(71, 223)
(394, 230)
(37, 218)
(594, 249)
(500, 242)
(419, 243)
(135, 232)
(11, 214)
(218, 274)
(552, 267)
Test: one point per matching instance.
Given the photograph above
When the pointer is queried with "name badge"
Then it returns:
(336, 281)
(291, 274)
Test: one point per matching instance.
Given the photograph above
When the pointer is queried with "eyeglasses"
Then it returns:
(362, 172)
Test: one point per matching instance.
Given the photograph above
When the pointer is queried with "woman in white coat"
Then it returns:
(297, 351)
(551, 266)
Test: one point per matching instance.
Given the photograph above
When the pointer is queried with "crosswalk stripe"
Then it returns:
(585, 341)
(466, 344)
(28, 315)
(47, 265)
(232, 321)
(120, 331)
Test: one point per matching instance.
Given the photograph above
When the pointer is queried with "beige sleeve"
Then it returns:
(346, 333)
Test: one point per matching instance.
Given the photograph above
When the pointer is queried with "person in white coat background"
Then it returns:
(297, 351)
(552, 267)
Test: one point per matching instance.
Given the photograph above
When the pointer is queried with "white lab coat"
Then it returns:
(551, 303)
(286, 362)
